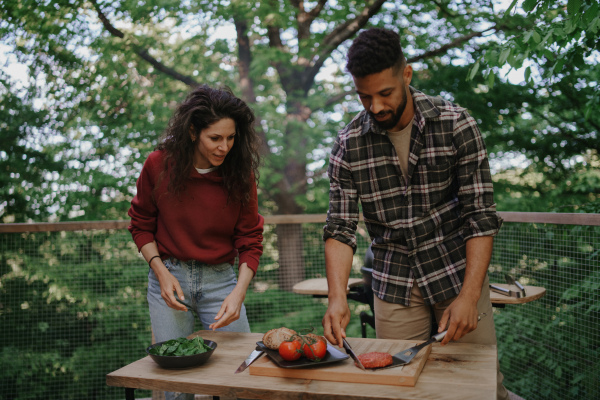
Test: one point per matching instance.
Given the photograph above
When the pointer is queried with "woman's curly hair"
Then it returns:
(373, 51)
(203, 107)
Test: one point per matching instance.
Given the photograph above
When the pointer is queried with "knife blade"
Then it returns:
(251, 358)
(349, 350)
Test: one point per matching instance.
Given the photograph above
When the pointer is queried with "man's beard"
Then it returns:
(393, 121)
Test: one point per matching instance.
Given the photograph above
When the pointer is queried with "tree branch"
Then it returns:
(567, 91)
(314, 13)
(141, 52)
(590, 144)
(285, 71)
(444, 9)
(453, 44)
(246, 82)
(305, 19)
(337, 98)
(337, 37)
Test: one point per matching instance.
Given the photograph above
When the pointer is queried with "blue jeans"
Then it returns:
(205, 287)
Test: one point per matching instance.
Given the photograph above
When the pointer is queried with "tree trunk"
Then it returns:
(291, 259)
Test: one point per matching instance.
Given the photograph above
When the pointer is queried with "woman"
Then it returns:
(196, 210)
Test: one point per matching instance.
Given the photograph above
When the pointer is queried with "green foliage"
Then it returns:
(541, 127)
(539, 344)
(73, 308)
(181, 347)
(554, 36)
(70, 315)
(102, 79)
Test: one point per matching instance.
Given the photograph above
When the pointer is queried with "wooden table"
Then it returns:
(533, 293)
(318, 287)
(455, 371)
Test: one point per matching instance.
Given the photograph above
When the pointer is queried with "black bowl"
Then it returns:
(172, 362)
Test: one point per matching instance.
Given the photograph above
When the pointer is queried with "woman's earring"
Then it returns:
(193, 139)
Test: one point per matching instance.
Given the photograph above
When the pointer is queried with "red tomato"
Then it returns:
(290, 351)
(315, 351)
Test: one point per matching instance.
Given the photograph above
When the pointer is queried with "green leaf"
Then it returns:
(181, 347)
(558, 372)
(591, 13)
(504, 56)
(490, 80)
(529, 5)
(536, 37)
(548, 36)
(509, 9)
(473, 71)
(574, 7)
(527, 74)
(570, 26)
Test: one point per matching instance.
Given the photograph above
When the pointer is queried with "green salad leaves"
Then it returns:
(181, 347)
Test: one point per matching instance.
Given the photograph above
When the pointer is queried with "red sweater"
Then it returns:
(199, 224)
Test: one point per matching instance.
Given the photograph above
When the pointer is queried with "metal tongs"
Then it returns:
(507, 292)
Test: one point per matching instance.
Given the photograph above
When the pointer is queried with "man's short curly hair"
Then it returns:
(373, 51)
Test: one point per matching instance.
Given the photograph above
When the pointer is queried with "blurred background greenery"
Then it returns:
(87, 86)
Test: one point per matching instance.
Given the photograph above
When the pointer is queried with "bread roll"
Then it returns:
(273, 338)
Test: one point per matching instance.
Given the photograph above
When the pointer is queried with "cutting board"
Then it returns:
(346, 371)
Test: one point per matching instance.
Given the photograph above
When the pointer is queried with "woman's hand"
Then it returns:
(169, 285)
(230, 309)
(232, 305)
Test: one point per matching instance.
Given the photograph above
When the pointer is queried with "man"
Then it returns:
(419, 167)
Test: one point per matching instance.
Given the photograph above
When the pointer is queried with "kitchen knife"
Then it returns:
(352, 354)
(251, 358)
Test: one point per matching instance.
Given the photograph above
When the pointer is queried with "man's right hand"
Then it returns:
(338, 263)
(336, 320)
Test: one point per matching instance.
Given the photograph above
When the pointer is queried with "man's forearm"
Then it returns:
(479, 254)
(338, 264)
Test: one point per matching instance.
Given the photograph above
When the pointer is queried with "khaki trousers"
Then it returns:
(395, 321)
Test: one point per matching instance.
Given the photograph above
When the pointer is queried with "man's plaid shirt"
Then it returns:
(418, 230)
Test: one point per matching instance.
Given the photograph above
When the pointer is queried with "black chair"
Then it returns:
(364, 293)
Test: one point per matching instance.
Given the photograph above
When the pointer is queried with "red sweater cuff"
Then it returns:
(252, 262)
(143, 239)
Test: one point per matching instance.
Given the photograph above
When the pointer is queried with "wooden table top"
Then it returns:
(533, 293)
(318, 287)
(455, 371)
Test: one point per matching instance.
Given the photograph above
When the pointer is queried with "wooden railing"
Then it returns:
(526, 217)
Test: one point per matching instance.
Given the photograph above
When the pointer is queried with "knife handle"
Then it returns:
(438, 337)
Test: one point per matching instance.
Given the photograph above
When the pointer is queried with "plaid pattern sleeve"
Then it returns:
(475, 189)
(418, 227)
(342, 216)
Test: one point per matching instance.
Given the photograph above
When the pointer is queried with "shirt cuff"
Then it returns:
(484, 224)
(342, 231)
